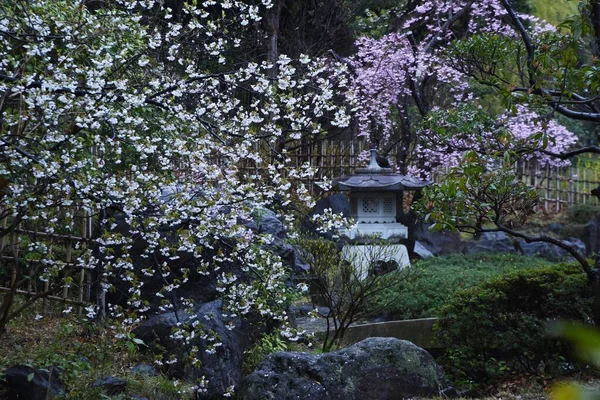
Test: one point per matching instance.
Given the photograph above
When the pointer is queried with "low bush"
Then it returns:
(267, 344)
(582, 213)
(500, 325)
(435, 279)
(573, 231)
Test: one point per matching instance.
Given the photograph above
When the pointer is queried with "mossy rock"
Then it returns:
(375, 368)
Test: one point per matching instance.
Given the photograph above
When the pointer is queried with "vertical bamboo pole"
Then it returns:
(3, 240)
(596, 182)
(595, 199)
(576, 182)
(557, 186)
(585, 186)
(547, 191)
(571, 186)
(82, 271)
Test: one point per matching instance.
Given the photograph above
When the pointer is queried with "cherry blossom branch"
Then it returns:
(449, 22)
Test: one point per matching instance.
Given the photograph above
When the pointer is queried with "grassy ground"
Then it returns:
(83, 352)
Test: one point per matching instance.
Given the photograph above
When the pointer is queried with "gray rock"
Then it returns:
(291, 256)
(592, 235)
(267, 222)
(422, 251)
(438, 243)
(555, 227)
(222, 368)
(551, 252)
(144, 369)
(491, 242)
(110, 384)
(24, 382)
(198, 286)
(376, 368)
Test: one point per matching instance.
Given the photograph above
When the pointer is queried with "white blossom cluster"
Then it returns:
(107, 114)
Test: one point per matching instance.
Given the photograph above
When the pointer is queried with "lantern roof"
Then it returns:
(376, 178)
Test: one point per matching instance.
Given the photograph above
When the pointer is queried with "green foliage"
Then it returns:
(587, 345)
(267, 344)
(82, 352)
(474, 195)
(436, 279)
(507, 316)
(155, 387)
(553, 11)
(582, 213)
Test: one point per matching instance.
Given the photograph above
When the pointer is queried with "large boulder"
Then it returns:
(438, 243)
(291, 256)
(266, 221)
(196, 286)
(592, 235)
(199, 287)
(376, 368)
(110, 384)
(24, 382)
(491, 242)
(222, 367)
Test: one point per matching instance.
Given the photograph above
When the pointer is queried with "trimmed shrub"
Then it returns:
(500, 325)
(434, 280)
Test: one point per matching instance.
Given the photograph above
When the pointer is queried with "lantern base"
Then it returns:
(367, 259)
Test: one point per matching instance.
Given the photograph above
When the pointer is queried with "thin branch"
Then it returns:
(572, 153)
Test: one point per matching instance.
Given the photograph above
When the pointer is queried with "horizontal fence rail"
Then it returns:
(21, 272)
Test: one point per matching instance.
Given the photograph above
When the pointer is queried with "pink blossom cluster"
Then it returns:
(392, 72)
(521, 133)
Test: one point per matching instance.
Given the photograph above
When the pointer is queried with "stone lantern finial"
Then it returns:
(373, 164)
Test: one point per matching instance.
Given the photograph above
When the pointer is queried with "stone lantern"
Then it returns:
(376, 199)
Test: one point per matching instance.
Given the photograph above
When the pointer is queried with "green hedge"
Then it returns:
(500, 325)
(433, 280)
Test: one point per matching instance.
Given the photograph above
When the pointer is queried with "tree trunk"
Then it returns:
(273, 26)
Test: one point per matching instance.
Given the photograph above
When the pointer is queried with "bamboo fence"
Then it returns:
(23, 273)
(559, 189)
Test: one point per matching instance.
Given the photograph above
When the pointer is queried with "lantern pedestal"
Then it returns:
(366, 258)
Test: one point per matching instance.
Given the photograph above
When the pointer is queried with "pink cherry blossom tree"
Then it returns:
(407, 80)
